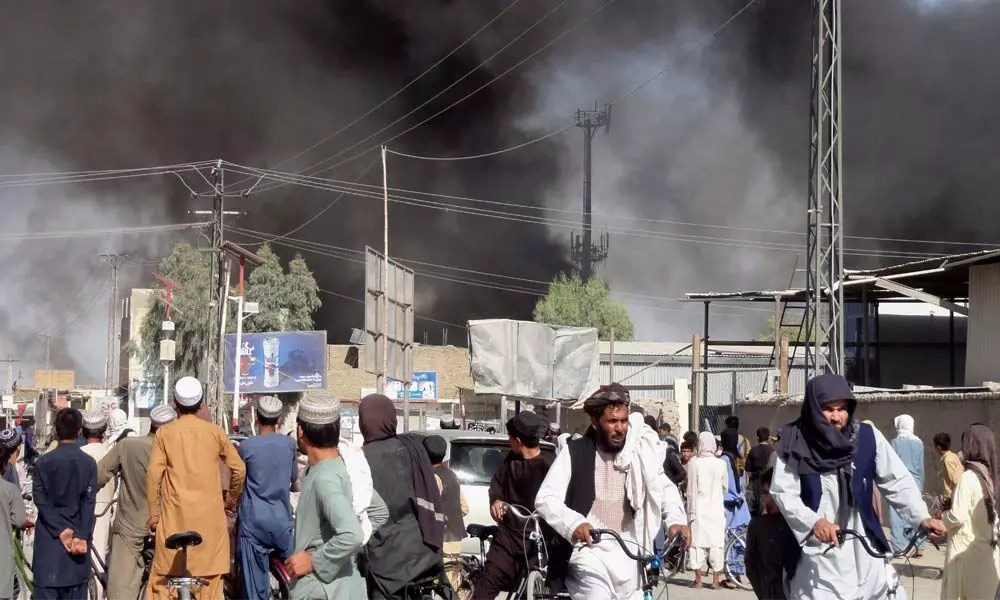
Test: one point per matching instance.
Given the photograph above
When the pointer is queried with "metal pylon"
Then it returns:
(824, 318)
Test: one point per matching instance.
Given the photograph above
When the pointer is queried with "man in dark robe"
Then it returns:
(517, 483)
(757, 462)
(65, 494)
(407, 547)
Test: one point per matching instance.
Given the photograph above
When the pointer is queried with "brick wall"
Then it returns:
(451, 364)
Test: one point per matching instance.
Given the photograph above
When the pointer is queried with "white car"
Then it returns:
(475, 457)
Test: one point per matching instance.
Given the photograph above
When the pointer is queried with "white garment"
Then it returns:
(904, 426)
(361, 485)
(652, 495)
(102, 526)
(972, 564)
(701, 558)
(846, 572)
(707, 483)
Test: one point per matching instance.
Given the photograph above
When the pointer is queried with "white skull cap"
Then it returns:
(187, 391)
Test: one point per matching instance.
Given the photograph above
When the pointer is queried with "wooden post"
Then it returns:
(696, 396)
(783, 366)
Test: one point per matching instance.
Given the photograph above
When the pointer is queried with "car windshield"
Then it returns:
(476, 461)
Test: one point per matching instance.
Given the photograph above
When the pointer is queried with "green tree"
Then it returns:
(794, 333)
(287, 303)
(191, 270)
(574, 302)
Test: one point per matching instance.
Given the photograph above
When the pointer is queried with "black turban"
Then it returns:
(525, 426)
(614, 393)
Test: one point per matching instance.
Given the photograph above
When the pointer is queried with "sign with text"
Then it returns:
(423, 389)
(279, 362)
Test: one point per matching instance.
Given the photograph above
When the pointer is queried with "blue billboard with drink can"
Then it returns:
(278, 362)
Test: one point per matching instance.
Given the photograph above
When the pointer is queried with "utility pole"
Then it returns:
(824, 316)
(10, 360)
(116, 261)
(585, 253)
(216, 346)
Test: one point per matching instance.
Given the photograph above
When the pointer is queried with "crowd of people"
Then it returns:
(374, 521)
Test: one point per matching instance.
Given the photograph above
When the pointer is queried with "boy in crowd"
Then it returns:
(768, 538)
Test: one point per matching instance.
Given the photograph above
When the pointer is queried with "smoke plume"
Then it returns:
(720, 138)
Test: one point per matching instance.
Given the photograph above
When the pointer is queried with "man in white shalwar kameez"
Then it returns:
(611, 478)
(827, 463)
(95, 425)
(707, 481)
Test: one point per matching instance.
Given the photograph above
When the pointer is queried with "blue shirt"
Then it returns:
(266, 511)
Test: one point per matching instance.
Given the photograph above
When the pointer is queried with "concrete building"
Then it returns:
(135, 306)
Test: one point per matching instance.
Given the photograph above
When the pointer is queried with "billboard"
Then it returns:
(278, 362)
(146, 394)
(51, 379)
(392, 330)
(423, 388)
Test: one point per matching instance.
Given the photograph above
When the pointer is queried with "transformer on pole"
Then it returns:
(824, 315)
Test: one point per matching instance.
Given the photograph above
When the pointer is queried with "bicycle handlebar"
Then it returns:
(596, 534)
(919, 536)
(517, 512)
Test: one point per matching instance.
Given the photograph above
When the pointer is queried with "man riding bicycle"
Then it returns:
(611, 478)
(827, 465)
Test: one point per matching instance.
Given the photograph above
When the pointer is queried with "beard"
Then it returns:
(607, 445)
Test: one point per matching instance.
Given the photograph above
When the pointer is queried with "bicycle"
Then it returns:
(100, 575)
(735, 549)
(888, 557)
(471, 566)
(185, 583)
(533, 586)
(649, 565)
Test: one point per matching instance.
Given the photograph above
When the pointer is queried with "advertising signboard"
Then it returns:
(146, 394)
(51, 379)
(423, 388)
(271, 363)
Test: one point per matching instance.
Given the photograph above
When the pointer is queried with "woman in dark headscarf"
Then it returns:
(827, 463)
(407, 547)
(972, 562)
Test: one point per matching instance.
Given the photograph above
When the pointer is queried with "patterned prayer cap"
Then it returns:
(269, 407)
(10, 438)
(95, 419)
(319, 411)
(162, 414)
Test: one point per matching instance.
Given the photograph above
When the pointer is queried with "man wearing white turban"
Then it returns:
(95, 425)
(707, 483)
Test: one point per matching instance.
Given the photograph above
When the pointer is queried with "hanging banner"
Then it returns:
(271, 363)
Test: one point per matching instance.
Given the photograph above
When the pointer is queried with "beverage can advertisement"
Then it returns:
(270, 363)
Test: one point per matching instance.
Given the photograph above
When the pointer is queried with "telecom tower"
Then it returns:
(824, 316)
(584, 252)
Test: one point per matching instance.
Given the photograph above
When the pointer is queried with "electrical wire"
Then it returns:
(572, 225)
(608, 216)
(470, 282)
(7, 237)
(407, 86)
(507, 71)
(487, 154)
(101, 171)
(88, 179)
(415, 315)
(701, 44)
(358, 256)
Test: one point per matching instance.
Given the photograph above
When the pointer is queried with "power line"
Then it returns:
(487, 154)
(575, 212)
(102, 171)
(8, 237)
(538, 51)
(392, 96)
(565, 224)
(111, 176)
(346, 256)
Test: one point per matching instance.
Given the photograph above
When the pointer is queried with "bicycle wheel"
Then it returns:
(734, 569)
(92, 588)
(534, 586)
(673, 562)
(277, 584)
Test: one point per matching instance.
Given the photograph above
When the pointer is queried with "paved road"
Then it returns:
(921, 582)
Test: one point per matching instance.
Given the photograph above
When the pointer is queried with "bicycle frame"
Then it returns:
(845, 534)
(536, 537)
(649, 564)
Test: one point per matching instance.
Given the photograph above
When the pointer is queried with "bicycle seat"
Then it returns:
(183, 539)
(483, 532)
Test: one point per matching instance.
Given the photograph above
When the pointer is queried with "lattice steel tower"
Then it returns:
(824, 315)
(584, 252)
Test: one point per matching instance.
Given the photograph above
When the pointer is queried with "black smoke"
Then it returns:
(722, 138)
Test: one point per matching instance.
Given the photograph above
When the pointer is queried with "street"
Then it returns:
(922, 581)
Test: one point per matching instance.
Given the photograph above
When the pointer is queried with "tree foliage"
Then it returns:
(574, 302)
(794, 333)
(287, 302)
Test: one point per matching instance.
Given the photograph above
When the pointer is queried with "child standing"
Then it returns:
(768, 541)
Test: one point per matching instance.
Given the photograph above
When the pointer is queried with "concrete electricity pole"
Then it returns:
(585, 253)
(116, 261)
(10, 360)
